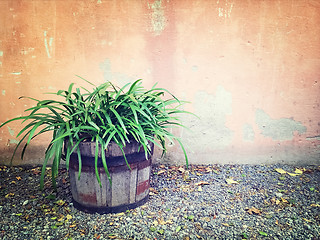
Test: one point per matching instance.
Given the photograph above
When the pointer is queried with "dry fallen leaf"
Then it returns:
(231, 181)
(161, 171)
(293, 174)
(60, 202)
(225, 224)
(202, 183)
(120, 214)
(36, 171)
(207, 219)
(9, 195)
(186, 176)
(153, 191)
(307, 220)
(280, 170)
(253, 210)
(314, 205)
(296, 172)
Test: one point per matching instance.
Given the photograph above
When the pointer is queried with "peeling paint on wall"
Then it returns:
(11, 131)
(3, 92)
(109, 75)
(13, 141)
(158, 19)
(210, 131)
(195, 68)
(248, 133)
(1, 55)
(25, 51)
(225, 11)
(48, 44)
(278, 129)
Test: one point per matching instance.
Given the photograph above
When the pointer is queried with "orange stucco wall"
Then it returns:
(250, 68)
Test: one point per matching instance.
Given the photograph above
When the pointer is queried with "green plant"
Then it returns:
(104, 114)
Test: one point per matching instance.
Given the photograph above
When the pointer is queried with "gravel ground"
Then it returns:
(205, 202)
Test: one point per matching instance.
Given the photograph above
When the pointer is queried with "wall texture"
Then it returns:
(251, 68)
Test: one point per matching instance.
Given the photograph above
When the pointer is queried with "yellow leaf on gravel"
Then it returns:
(161, 221)
(69, 217)
(296, 172)
(225, 224)
(293, 174)
(307, 220)
(231, 181)
(280, 170)
(315, 205)
(253, 210)
(161, 171)
(9, 195)
(60, 202)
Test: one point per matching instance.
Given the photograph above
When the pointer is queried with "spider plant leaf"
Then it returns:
(94, 125)
(96, 158)
(35, 127)
(119, 119)
(86, 80)
(79, 161)
(124, 156)
(184, 152)
(133, 86)
(44, 166)
(103, 159)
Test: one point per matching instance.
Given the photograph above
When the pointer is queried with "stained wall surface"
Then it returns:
(251, 69)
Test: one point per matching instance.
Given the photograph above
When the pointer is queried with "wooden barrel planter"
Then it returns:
(129, 188)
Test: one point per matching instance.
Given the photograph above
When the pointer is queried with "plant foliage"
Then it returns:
(106, 113)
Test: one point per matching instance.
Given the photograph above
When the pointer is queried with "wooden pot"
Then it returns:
(129, 188)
